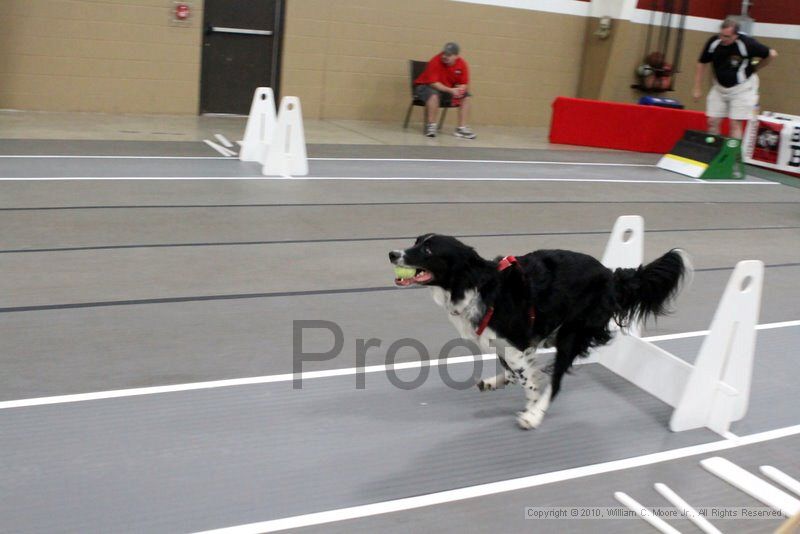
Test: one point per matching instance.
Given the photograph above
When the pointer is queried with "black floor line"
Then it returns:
(420, 203)
(241, 296)
(364, 239)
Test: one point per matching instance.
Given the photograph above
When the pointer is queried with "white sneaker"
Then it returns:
(430, 129)
(464, 132)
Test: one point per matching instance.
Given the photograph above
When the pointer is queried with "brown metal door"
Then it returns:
(241, 51)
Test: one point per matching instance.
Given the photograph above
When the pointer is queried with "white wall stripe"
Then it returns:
(642, 16)
(776, 31)
(566, 7)
(702, 24)
(482, 490)
(288, 377)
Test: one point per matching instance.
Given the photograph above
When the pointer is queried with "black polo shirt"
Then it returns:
(732, 63)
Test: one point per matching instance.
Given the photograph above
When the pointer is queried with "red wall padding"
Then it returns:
(772, 11)
(577, 121)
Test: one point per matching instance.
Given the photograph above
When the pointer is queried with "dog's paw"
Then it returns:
(488, 384)
(530, 419)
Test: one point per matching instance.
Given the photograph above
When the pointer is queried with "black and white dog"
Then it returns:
(545, 298)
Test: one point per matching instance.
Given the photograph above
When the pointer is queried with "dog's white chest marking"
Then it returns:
(464, 314)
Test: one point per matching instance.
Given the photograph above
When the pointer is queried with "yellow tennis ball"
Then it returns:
(404, 272)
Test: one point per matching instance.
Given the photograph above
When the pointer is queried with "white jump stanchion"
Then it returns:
(260, 126)
(287, 152)
(724, 366)
(625, 247)
(714, 392)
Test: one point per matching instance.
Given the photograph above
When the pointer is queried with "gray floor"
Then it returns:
(112, 284)
(506, 511)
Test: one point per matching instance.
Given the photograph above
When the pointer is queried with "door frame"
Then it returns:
(277, 52)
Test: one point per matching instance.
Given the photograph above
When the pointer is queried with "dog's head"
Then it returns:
(438, 260)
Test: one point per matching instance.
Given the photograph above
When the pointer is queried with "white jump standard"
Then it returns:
(276, 141)
(260, 126)
(715, 390)
(287, 151)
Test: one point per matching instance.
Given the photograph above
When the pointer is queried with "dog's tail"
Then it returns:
(648, 290)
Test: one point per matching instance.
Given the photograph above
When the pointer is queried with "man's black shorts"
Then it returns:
(424, 92)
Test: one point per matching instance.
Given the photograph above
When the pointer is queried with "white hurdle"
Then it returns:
(286, 155)
(260, 126)
(715, 390)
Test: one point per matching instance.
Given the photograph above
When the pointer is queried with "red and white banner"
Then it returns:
(773, 140)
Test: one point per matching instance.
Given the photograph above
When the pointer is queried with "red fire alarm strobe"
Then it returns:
(182, 11)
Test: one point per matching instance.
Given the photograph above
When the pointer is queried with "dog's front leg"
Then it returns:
(534, 411)
(521, 364)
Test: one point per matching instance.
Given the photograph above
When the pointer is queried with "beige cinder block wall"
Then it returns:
(348, 59)
(120, 56)
(624, 50)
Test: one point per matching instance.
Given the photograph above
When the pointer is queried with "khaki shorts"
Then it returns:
(737, 102)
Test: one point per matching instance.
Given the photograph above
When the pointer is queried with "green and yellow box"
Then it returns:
(707, 156)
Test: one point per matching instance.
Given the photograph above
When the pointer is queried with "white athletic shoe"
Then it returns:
(430, 129)
(464, 132)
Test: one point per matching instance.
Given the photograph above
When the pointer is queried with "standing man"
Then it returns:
(734, 92)
(444, 82)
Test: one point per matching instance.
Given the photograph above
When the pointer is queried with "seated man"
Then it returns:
(444, 82)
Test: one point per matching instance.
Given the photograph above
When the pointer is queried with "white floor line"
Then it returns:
(698, 333)
(65, 156)
(492, 161)
(782, 324)
(288, 377)
(503, 486)
(781, 478)
(754, 486)
(219, 148)
(642, 511)
(224, 140)
(390, 179)
(121, 178)
(269, 379)
(523, 179)
(687, 510)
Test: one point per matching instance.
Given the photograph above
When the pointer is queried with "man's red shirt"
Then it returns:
(449, 75)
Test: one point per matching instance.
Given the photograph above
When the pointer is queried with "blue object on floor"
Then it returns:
(662, 102)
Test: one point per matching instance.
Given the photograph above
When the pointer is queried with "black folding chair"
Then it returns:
(416, 68)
